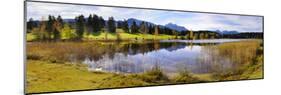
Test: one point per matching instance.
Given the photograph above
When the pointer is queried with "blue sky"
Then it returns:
(190, 20)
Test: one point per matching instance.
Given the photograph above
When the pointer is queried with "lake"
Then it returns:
(196, 56)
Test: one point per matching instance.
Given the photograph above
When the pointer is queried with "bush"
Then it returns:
(68, 33)
(154, 75)
(185, 77)
(33, 56)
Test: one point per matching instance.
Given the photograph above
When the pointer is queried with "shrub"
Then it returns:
(68, 33)
(184, 76)
(154, 75)
(33, 56)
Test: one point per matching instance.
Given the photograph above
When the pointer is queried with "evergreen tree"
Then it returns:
(160, 30)
(95, 26)
(150, 29)
(142, 27)
(111, 25)
(134, 27)
(119, 24)
(125, 26)
(30, 25)
(90, 24)
(60, 21)
(80, 26)
(50, 27)
(101, 23)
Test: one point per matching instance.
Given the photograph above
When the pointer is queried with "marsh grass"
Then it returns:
(239, 52)
(45, 75)
(155, 75)
(246, 58)
(60, 52)
(184, 76)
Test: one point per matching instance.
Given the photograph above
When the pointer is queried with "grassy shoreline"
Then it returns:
(44, 75)
(47, 77)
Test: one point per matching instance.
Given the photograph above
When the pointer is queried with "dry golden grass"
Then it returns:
(246, 58)
(44, 74)
(48, 77)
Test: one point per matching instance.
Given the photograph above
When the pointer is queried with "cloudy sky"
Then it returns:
(190, 20)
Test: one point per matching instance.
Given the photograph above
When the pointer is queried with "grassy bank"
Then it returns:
(49, 71)
(47, 77)
(246, 58)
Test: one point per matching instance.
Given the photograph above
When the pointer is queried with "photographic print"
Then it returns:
(74, 47)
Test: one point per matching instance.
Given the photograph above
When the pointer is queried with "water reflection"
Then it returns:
(171, 56)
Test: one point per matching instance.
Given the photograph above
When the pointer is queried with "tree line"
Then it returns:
(55, 28)
(46, 30)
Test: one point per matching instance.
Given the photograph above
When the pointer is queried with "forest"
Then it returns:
(94, 27)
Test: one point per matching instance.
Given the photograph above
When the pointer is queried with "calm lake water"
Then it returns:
(171, 55)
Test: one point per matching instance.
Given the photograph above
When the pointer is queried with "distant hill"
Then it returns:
(138, 22)
(169, 25)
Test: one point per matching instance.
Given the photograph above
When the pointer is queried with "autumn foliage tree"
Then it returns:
(67, 33)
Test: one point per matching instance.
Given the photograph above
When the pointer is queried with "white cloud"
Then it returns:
(190, 20)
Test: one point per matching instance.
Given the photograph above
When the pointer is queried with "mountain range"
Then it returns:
(168, 25)
(138, 22)
(175, 27)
